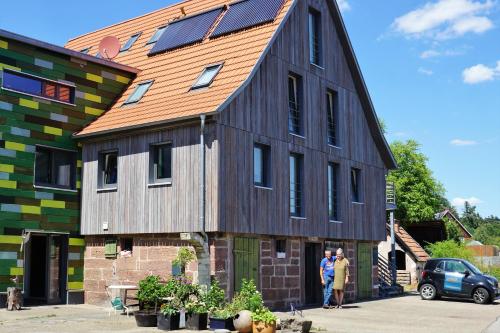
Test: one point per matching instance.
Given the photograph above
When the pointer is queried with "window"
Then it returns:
(130, 42)
(294, 105)
(85, 50)
(315, 37)
(160, 163)
(39, 87)
(296, 166)
(207, 77)
(281, 248)
(331, 106)
(108, 169)
(55, 168)
(332, 191)
(356, 185)
(126, 244)
(156, 35)
(455, 267)
(261, 165)
(139, 92)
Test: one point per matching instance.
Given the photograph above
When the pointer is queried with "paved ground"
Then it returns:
(405, 314)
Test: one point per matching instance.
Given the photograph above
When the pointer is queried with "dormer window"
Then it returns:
(156, 35)
(130, 42)
(138, 93)
(207, 77)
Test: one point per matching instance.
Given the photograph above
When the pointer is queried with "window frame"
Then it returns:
(280, 254)
(356, 185)
(43, 81)
(157, 31)
(265, 165)
(197, 86)
(298, 127)
(132, 40)
(73, 175)
(332, 107)
(315, 21)
(296, 197)
(129, 102)
(333, 191)
(101, 165)
(153, 179)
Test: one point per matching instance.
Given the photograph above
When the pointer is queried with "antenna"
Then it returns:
(109, 47)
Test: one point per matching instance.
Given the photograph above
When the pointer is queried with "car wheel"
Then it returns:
(481, 296)
(428, 292)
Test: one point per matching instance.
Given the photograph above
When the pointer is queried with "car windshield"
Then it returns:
(472, 268)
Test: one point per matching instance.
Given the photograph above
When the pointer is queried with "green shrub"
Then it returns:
(150, 291)
(184, 257)
(215, 298)
(450, 249)
(265, 316)
(493, 271)
(249, 298)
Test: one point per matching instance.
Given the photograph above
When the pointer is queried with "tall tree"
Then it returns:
(419, 195)
(470, 218)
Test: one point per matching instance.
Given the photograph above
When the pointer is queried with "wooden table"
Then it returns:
(122, 289)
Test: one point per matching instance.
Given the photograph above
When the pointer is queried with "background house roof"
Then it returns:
(175, 71)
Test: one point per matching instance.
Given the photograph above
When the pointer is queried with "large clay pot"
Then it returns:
(243, 321)
(145, 318)
(260, 327)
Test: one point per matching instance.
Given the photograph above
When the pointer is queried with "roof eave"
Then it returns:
(65, 51)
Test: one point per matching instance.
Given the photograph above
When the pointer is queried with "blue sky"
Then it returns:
(431, 68)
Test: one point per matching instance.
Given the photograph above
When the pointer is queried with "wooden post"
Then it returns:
(14, 298)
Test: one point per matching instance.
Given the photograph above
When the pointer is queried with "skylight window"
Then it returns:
(130, 42)
(207, 77)
(156, 35)
(85, 50)
(138, 93)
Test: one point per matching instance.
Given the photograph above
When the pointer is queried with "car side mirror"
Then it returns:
(467, 273)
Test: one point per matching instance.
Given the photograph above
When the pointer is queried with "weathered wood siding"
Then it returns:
(135, 207)
(260, 114)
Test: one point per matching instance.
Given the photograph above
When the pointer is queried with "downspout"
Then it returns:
(204, 254)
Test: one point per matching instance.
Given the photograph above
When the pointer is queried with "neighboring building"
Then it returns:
(426, 232)
(292, 161)
(46, 94)
(410, 256)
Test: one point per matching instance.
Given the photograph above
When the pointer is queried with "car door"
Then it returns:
(438, 277)
(454, 278)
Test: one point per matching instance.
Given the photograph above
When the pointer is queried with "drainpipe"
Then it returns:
(204, 255)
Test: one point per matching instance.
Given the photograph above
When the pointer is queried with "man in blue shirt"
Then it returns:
(327, 274)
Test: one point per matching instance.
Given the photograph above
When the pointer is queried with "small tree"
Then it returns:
(452, 230)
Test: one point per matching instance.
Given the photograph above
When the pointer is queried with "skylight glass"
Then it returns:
(156, 35)
(139, 92)
(130, 42)
(85, 50)
(206, 78)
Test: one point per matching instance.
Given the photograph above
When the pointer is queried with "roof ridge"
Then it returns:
(128, 20)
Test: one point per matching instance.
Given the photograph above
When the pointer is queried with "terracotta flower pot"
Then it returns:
(260, 327)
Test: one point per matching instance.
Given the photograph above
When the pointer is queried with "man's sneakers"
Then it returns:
(325, 306)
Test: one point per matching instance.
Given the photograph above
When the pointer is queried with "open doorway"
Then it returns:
(313, 289)
(46, 257)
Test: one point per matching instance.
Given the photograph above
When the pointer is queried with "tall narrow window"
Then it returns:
(138, 93)
(356, 185)
(331, 108)
(160, 163)
(294, 105)
(156, 35)
(296, 170)
(261, 165)
(55, 168)
(108, 167)
(130, 42)
(315, 47)
(333, 211)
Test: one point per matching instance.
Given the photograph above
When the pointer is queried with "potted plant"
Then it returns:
(184, 257)
(168, 319)
(248, 300)
(196, 313)
(264, 321)
(221, 315)
(222, 319)
(150, 290)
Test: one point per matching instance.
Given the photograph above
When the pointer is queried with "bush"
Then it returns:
(450, 249)
(150, 291)
(215, 298)
(265, 316)
(249, 298)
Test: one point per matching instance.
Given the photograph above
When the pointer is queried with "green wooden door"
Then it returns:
(364, 271)
(246, 261)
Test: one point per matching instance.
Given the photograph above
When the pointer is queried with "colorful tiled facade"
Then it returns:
(26, 122)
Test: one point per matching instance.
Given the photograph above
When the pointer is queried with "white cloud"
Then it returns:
(343, 5)
(425, 71)
(430, 54)
(461, 142)
(427, 54)
(480, 73)
(445, 19)
(460, 202)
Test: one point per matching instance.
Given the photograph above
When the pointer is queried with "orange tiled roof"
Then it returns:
(174, 72)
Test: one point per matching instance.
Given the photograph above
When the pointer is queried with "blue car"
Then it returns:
(457, 278)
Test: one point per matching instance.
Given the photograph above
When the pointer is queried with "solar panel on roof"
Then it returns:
(246, 14)
(186, 31)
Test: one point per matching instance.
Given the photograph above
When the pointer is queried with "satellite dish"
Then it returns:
(109, 47)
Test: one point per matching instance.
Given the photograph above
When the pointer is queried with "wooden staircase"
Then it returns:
(403, 278)
(386, 289)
